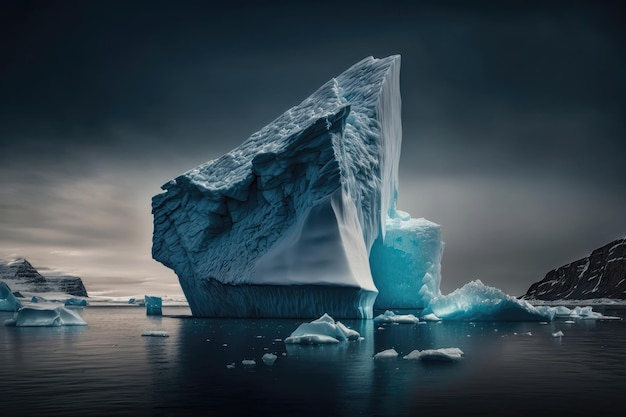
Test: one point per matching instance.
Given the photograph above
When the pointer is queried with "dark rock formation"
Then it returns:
(20, 275)
(600, 275)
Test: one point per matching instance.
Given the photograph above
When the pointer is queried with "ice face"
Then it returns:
(406, 264)
(153, 306)
(46, 315)
(475, 302)
(297, 207)
(8, 302)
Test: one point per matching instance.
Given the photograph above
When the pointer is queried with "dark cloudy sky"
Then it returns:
(513, 117)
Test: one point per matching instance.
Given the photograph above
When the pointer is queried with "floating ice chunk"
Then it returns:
(8, 302)
(248, 363)
(478, 302)
(46, 315)
(391, 317)
(386, 354)
(269, 359)
(570, 321)
(322, 331)
(153, 306)
(430, 317)
(558, 334)
(231, 365)
(75, 302)
(156, 333)
(443, 354)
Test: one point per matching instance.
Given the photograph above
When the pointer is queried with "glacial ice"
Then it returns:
(301, 211)
(153, 305)
(442, 354)
(477, 302)
(75, 302)
(45, 315)
(406, 264)
(8, 302)
(322, 331)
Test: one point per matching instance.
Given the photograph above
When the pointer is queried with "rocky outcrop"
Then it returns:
(600, 275)
(20, 275)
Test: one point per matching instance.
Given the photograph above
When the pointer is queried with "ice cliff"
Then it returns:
(284, 225)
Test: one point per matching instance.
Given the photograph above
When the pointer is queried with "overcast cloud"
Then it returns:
(513, 120)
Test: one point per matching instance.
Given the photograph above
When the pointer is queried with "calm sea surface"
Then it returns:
(109, 369)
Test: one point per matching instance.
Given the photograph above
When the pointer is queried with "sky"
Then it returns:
(513, 122)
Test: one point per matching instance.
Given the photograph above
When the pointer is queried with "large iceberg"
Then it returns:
(283, 225)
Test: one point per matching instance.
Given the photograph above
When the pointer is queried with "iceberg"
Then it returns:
(153, 306)
(45, 315)
(75, 302)
(322, 331)
(476, 301)
(294, 212)
(8, 302)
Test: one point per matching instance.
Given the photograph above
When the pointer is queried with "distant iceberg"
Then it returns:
(45, 315)
(8, 302)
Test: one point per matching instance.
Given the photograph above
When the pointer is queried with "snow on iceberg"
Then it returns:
(322, 331)
(443, 354)
(391, 317)
(475, 302)
(406, 264)
(45, 315)
(293, 212)
(8, 302)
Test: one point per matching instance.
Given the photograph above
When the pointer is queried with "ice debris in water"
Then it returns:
(322, 331)
(248, 363)
(558, 334)
(8, 302)
(155, 333)
(386, 354)
(391, 317)
(443, 354)
(231, 365)
(45, 315)
(269, 359)
(430, 317)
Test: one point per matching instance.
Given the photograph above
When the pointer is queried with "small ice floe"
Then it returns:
(231, 365)
(441, 355)
(248, 363)
(430, 317)
(528, 333)
(558, 334)
(269, 359)
(259, 337)
(155, 333)
(391, 317)
(322, 331)
(570, 321)
(278, 340)
(386, 354)
(45, 315)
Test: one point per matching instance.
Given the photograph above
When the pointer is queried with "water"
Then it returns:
(108, 368)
